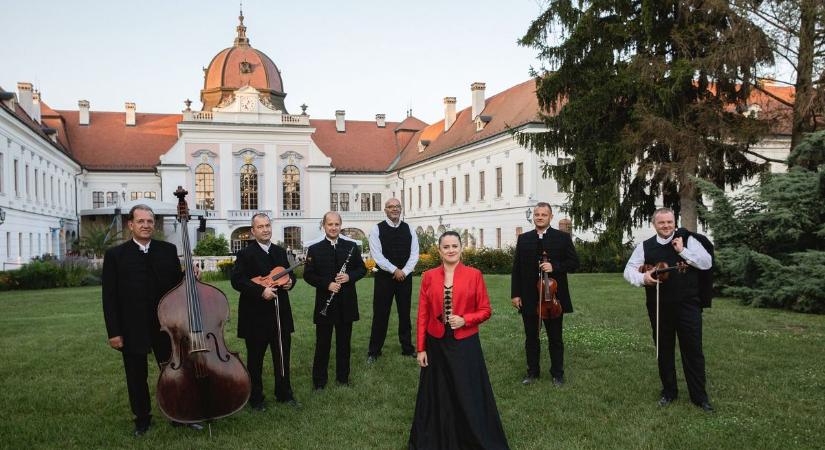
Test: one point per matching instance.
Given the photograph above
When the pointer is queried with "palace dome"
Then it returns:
(239, 66)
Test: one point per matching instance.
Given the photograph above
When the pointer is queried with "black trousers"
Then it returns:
(137, 370)
(323, 339)
(532, 344)
(385, 288)
(255, 351)
(683, 320)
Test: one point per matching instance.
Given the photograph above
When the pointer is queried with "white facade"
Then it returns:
(38, 194)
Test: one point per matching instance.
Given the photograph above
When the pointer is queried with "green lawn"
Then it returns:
(61, 386)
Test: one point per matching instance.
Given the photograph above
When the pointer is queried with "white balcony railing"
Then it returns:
(245, 214)
(292, 214)
(362, 215)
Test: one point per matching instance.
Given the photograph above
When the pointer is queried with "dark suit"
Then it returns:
(323, 263)
(562, 255)
(257, 323)
(133, 284)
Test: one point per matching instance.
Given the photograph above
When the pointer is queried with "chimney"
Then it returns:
(381, 120)
(25, 97)
(36, 106)
(130, 114)
(449, 112)
(477, 89)
(83, 106)
(340, 125)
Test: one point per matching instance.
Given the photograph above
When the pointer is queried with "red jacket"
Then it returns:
(470, 301)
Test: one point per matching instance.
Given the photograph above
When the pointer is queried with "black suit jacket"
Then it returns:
(561, 254)
(133, 284)
(256, 316)
(323, 263)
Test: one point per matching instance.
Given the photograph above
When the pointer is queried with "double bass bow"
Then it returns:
(203, 379)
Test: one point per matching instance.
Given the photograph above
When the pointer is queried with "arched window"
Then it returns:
(292, 188)
(240, 238)
(249, 187)
(204, 187)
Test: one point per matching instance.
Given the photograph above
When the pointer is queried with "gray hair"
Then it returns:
(259, 214)
(141, 207)
(324, 219)
(664, 210)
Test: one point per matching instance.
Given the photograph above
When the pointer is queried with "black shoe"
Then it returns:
(558, 381)
(319, 387)
(371, 359)
(411, 354)
(293, 403)
(140, 430)
(529, 379)
(258, 407)
(706, 407)
(664, 401)
(342, 383)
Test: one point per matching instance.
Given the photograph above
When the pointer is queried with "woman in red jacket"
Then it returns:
(455, 406)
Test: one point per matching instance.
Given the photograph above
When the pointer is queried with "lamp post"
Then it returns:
(528, 215)
(2, 216)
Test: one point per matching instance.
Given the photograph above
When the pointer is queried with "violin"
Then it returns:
(548, 306)
(277, 277)
(661, 271)
(203, 379)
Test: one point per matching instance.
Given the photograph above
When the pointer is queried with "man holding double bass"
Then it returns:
(264, 313)
(561, 256)
(136, 274)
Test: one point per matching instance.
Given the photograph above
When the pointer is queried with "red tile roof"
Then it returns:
(363, 147)
(511, 108)
(23, 117)
(108, 144)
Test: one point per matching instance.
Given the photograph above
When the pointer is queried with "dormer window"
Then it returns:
(482, 121)
(246, 67)
(422, 144)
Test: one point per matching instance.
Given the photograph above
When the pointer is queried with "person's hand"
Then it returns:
(678, 244)
(546, 267)
(422, 359)
(116, 342)
(197, 270)
(288, 285)
(341, 278)
(516, 301)
(268, 293)
(334, 287)
(649, 280)
(398, 275)
(456, 322)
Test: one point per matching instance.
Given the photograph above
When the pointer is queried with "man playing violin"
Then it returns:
(136, 275)
(333, 266)
(527, 263)
(258, 320)
(680, 312)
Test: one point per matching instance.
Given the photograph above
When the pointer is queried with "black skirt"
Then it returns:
(455, 407)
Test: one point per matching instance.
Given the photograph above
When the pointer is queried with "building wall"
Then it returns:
(41, 210)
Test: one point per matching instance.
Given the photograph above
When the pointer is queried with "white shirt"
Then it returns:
(141, 247)
(693, 253)
(265, 247)
(385, 264)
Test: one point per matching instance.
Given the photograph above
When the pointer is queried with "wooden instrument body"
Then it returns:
(194, 385)
(548, 306)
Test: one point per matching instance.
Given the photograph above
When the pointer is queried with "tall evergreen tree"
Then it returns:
(643, 96)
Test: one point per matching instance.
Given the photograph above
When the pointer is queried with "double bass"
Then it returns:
(203, 379)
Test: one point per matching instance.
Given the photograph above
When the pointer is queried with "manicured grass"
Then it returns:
(61, 386)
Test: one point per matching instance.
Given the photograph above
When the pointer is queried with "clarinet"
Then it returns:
(343, 270)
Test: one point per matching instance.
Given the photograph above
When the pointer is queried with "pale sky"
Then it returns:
(363, 56)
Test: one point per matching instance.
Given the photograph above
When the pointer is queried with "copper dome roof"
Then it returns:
(239, 66)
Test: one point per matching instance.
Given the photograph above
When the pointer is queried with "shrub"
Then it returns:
(75, 271)
(225, 266)
(211, 245)
(7, 281)
(489, 260)
(39, 275)
(604, 255)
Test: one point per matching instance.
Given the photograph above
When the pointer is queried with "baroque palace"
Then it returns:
(63, 171)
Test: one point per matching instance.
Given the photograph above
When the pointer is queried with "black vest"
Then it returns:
(679, 286)
(395, 243)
